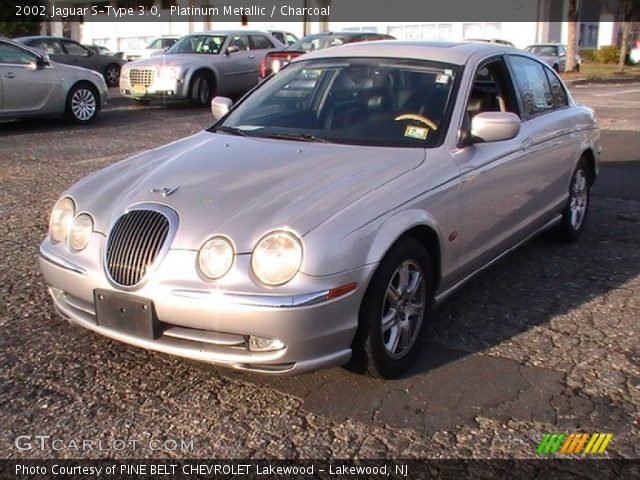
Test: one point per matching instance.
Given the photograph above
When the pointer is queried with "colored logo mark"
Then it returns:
(574, 443)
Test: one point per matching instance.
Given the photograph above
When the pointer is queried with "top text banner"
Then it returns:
(303, 10)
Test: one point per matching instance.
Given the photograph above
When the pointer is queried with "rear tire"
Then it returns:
(83, 103)
(392, 313)
(574, 215)
(202, 89)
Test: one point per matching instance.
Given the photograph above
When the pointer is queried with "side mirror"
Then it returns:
(232, 49)
(220, 107)
(495, 126)
(42, 61)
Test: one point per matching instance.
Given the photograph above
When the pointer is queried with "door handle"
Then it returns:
(10, 75)
(252, 56)
(526, 143)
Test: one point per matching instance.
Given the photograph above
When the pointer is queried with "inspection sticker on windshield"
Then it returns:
(419, 133)
(443, 79)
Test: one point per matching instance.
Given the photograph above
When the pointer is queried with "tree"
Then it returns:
(12, 25)
(573, 14)
(628, 10)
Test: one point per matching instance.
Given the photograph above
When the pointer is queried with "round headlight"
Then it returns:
(80, 233)
(277, 258)
(61, 218)
(215, 257)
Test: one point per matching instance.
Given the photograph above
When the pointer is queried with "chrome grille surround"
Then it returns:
(137, 242)
(142, 76)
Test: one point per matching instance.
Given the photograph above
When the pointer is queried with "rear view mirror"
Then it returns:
(220, 106)
(495, 126)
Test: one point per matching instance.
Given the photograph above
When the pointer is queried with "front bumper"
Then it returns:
(214, 326)
(159, 89)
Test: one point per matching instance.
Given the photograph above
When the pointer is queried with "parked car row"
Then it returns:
(197, 66)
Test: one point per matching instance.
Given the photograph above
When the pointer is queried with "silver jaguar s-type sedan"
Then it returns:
(322, 217)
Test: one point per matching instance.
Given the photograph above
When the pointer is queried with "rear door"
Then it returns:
(550, 140)
(260, 46)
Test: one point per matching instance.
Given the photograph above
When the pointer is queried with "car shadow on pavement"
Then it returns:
(505, 344)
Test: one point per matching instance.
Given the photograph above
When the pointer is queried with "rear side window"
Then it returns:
(260, 42)
(75, 49)
(532, 85)
(279, 36)
(557, 89)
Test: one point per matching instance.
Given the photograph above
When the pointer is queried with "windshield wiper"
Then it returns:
(232, 131)
(302, 137)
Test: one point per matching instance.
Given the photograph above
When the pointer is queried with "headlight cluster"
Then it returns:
(169, 72)
(275, 260)
(65, 225)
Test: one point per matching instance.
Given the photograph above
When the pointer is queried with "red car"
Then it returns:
(274, 61)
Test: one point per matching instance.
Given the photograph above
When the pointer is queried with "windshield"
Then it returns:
(543, 50)
(206, 44)
(318, 42)
(357, 101)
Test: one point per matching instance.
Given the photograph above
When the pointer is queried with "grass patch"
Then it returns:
(600, 71)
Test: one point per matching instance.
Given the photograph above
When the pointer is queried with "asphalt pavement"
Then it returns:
(544, 341)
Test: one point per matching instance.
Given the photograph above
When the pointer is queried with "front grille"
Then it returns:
(142, 76)
(133, 245)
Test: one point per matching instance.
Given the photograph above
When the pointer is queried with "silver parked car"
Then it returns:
(321, 218)
(32, 85)
(554, 54)
(198, 66)
(70, 52)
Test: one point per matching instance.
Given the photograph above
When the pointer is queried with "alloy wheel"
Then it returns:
(403, 309)
(83, 104)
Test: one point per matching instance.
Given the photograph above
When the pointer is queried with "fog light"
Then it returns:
(261, 344)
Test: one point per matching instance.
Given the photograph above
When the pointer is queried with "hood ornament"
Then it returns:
(165, 191)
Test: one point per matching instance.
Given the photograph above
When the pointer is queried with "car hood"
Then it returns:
(243, 187)
(173, 59)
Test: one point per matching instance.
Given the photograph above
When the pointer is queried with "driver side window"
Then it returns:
(492, 90)
(14, 55)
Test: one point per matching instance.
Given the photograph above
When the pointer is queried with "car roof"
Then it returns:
(449, 52)
(550, 44)
(43, 37)
(229, 32)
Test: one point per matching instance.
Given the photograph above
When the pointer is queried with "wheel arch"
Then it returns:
(202, 70)
(413, 223)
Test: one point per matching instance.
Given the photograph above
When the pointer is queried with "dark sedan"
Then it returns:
(70, 52)
(274, 61)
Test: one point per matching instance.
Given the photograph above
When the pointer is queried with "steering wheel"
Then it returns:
(418, 118)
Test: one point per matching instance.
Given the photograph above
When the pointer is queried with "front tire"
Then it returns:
(393, 310)
(202, 89)
(82, 104)
(112, 74)
(574, 215)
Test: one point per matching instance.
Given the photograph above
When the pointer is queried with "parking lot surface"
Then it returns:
(545, 341)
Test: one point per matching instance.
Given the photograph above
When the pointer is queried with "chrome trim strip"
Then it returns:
(206, 336)
(60, 262)
(442, 296)
(255, 299)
